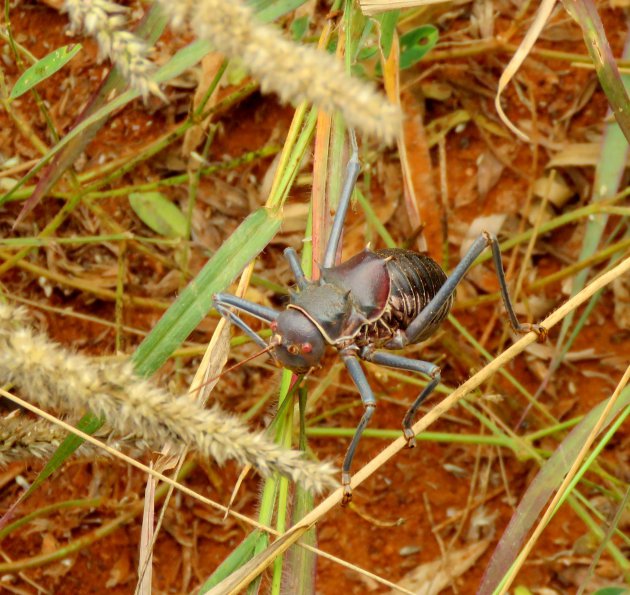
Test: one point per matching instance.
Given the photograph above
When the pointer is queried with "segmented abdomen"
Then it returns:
(415, 278)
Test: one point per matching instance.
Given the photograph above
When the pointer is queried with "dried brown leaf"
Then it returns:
(210, 65)
(489, 172)
(422, 199)
(554, 188)
(432, 577)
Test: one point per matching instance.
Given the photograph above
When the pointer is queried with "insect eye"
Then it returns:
(293, 349)
(274, 326)
(306, 348)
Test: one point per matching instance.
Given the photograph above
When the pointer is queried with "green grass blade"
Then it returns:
(158, 213)
(608, 176)
(388, 21)
(239, 555)
(300, 575)
(88, 423)
(585, 13)
(149, 29)
(270, 11)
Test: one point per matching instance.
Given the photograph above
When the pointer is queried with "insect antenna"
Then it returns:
(234, 367)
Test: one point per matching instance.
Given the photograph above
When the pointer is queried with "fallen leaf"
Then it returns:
(432, 577)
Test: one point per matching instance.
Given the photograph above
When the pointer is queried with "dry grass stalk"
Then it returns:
(371, 7)
(106, 21)
(540, 20)
(295, 72)
(70, 383)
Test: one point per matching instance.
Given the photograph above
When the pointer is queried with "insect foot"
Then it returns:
(526, 327)
(539, 329)
(410, 437)
(347, 490)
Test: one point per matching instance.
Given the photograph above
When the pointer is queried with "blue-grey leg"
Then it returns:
(425, 317)
(369, 402)
(234, 319)
(518, 327)
(294, 262)
(226, 299)
(352, 173)
(412, 365)
(223, 301)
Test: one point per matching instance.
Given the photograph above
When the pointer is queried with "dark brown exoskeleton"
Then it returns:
(383, 299)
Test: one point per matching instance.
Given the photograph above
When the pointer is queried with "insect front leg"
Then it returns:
(369, 402)
(294, 262)
(417, 326)
(411, 365)
(222, 303)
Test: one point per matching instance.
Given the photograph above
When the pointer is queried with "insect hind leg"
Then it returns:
(420, 322)
(518, 327)
(411, 365)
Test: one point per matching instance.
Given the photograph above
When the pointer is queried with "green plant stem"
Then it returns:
(554, 429)
(373, 220)
(92, 194)
(285, 429)
(324, 432)
(46, 510)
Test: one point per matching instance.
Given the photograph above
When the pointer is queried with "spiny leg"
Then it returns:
(425, 317)
(222, 303)
(412, 365)
(369, 402)
(294, 262)
(352, 173)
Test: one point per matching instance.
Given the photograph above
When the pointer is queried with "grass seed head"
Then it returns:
(55, 378)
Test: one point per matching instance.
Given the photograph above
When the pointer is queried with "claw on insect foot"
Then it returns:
(410, 436)
(541, 331)
(347, 496)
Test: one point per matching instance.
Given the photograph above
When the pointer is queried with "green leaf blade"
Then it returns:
(159, 214)
(416, 44)
(388, 21)
(44, 68)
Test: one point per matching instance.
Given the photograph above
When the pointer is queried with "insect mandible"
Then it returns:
(377, 300)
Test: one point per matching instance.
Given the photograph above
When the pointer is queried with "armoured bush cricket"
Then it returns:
(377, 300)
